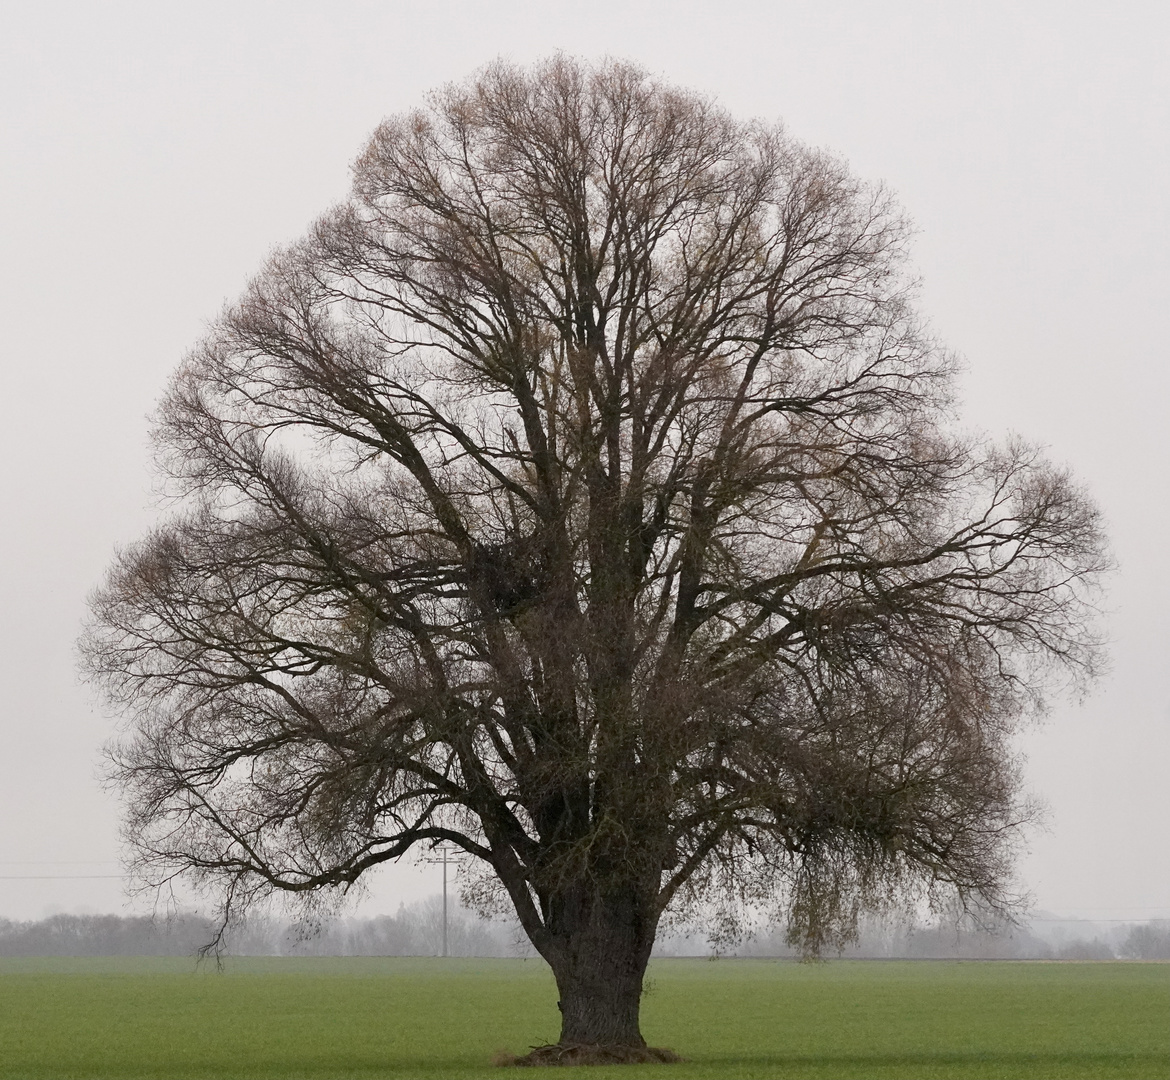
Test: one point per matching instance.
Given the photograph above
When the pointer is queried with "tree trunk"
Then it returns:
(604, 947)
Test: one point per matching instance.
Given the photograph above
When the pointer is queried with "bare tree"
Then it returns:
(583, 493)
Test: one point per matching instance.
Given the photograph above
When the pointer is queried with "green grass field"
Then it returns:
(293, 1018)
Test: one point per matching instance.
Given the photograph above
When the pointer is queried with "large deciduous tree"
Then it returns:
(583, 493)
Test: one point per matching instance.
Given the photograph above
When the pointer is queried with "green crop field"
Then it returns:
(293, 1018)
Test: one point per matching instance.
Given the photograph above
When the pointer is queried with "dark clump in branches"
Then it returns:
(581, 493)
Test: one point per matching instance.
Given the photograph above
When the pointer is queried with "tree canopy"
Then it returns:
(585, 492)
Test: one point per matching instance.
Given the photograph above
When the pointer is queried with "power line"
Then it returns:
(1092, 919)
(59, 877)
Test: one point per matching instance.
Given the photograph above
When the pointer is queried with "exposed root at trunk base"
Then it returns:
(590, 1054)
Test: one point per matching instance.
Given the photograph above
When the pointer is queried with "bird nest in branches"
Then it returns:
(590, 1054)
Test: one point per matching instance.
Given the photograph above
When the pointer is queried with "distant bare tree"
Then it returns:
(1149, 941)
(581, 493)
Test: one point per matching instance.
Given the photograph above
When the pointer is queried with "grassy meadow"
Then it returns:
(397, 1017)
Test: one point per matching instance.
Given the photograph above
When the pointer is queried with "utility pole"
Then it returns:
(442, 856)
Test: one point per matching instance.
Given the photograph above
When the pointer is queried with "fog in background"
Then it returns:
(152, 154)
(427, 928)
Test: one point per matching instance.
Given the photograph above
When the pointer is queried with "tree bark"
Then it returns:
(603, 948)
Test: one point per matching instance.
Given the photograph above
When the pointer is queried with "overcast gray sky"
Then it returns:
(153, 153)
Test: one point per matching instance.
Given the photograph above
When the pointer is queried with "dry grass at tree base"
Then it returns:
(587, 1054)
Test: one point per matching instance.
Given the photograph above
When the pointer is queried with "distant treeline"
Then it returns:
(1046, 938)
(417, 930)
